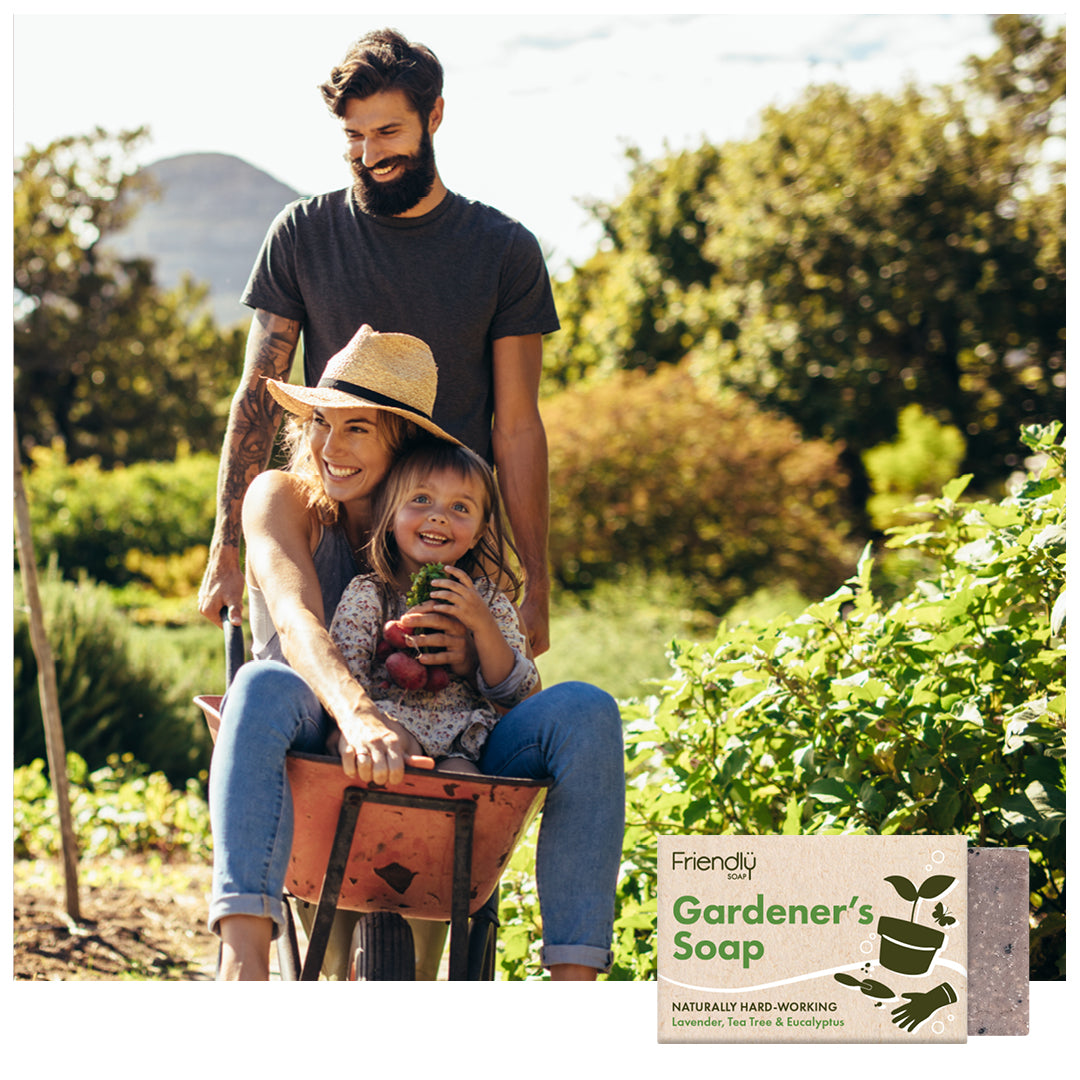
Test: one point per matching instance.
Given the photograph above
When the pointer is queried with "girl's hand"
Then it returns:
(445, 633)
(458, 592)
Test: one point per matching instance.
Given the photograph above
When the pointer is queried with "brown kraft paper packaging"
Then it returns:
(812, 939)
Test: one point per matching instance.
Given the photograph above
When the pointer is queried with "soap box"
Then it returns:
(812, 939)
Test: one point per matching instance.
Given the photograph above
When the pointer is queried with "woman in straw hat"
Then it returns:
(304, 529)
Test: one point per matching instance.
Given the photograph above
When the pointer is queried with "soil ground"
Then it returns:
(138, 920)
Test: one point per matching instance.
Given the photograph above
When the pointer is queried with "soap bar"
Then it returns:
(998, 902)
(812, 939)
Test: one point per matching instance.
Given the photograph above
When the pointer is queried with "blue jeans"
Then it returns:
(570, 733)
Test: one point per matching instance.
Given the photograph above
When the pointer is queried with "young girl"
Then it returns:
(439, 503)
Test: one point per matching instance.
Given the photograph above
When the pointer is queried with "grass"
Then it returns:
(617, 636)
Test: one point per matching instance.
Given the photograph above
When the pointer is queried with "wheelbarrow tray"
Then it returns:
(401, 856)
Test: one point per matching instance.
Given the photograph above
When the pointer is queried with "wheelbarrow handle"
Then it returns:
(234, 646)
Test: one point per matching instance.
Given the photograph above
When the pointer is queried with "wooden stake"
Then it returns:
(50, 701)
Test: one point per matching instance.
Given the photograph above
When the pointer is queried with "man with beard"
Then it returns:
(399, 252)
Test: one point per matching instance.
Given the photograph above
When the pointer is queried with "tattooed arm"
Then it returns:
(249, 437)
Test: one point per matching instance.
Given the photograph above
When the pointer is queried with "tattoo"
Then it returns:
(254, 418)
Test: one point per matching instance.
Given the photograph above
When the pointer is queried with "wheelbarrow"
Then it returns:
(429, 850)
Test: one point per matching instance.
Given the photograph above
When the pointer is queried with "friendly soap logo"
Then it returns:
(833, 938)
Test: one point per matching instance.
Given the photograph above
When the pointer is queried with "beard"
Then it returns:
(392, 197)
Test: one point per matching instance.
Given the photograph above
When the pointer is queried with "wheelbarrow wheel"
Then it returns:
(482, 950)
(382, 949)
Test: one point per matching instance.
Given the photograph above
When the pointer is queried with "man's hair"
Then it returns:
(384, 60)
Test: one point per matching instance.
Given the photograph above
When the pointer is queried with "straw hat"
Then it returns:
(395, 372)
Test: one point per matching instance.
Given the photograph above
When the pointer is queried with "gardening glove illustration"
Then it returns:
(921, 1006)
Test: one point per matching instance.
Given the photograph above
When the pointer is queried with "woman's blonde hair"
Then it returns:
(489, 557)
(395, 432)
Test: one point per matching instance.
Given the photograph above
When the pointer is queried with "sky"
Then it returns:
(539, 108)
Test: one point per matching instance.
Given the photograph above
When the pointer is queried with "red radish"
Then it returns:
(438, 678)
(396, 634)
(406, 671)
(383, 649)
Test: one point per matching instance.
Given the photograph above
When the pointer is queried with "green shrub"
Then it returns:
(122, 807)
(115, 696)
(922, 458)
(113, 523)
(653, 472)
(944, 713)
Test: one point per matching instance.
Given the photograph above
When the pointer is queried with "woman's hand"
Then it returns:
(373, 750)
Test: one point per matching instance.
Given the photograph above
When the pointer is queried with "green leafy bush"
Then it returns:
(113, 523)
(922, 458)
(942, 713)
(656, 473)
(115, 697)
(121, 807)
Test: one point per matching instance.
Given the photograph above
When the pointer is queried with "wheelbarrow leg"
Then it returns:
(288, 948)
(331, 888)
(483, 931)
(464, 817)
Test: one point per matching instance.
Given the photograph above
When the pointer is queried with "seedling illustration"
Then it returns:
(907, 947)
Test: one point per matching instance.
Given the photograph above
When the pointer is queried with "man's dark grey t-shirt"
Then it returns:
(459, 278)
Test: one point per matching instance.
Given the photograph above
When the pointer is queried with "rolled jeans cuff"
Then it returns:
(585, 955)
(263, 907)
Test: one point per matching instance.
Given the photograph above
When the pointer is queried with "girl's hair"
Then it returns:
(489, 557)
(395, 431)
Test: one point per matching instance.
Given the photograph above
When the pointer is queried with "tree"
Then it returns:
(862, 253)
(627, 307)
(876, 252)
(1025, 79)
(106, 361)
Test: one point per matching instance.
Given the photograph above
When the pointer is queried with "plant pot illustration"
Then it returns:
(906, 947)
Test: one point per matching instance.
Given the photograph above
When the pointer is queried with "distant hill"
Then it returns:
(211, 217)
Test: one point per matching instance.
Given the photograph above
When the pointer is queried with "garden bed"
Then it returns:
(138, 921)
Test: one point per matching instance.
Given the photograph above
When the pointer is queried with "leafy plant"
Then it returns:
(924, 456)
(420, 583)
(121, 807)
(121, 525)
(658, 473)
(942, 713)
(115, 697)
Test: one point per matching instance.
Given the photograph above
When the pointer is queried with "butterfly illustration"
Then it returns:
(942, 916)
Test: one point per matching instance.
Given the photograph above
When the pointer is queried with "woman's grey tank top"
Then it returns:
(336, 567)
